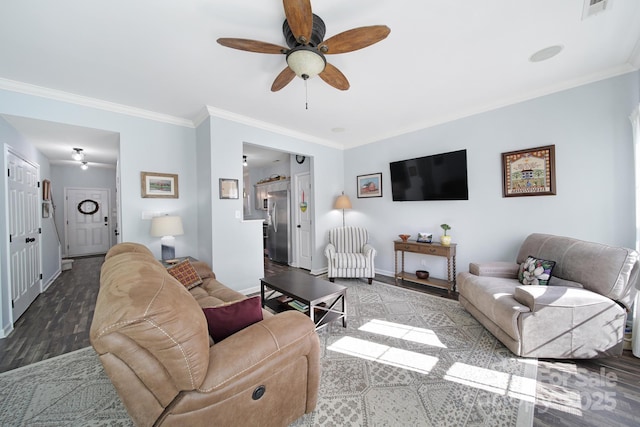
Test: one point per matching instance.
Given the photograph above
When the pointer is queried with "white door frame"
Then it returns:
(106, 213)
(296, 207)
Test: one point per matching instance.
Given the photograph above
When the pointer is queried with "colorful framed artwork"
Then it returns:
(369, 185)
(530, 172)
(159, 185)
(228, 188)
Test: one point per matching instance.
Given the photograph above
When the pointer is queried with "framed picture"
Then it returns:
(228, 188)
(46, 189)
(424, 237)
(159, 185)
(370, 185)
(530, 172)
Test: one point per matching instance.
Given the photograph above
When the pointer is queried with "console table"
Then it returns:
(435, 249)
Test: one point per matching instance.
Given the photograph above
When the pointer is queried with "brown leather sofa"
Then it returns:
(152, 338)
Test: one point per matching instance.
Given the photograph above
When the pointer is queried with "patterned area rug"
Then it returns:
(68, 390)
(405, 358)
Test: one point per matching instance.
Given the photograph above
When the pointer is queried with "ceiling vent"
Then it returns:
(592, 7)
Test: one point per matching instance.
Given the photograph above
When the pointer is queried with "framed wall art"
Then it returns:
(369, 185)
(159, 185)
(46, 189)
(530, 172)
(228, 188)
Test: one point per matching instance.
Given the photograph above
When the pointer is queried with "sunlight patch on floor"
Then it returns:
(405, 332)
(381, 353)
(493, 381)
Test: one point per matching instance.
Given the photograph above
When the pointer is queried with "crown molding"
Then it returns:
(505, 102)
(209, 111)
(58, 95)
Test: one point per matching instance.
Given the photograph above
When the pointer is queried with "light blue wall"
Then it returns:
(591, 131)
(204, 188)
(236, 244)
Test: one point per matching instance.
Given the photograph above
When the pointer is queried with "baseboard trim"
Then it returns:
(51, 280)
(6, 330)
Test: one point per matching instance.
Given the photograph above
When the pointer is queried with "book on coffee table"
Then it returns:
(298, 305)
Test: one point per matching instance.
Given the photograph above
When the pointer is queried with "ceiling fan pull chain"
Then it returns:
(306, 94)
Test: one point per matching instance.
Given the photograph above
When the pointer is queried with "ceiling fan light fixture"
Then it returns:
(77, 154)
(306, 62)
(84, 166)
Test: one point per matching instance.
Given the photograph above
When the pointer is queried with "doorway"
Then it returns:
(87, 227)
(265, 167)
(302, 231)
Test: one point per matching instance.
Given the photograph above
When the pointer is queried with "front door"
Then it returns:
(87, 221)
(303, 219)
(24, 233)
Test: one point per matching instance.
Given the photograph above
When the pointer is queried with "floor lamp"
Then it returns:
(342, 202)
(167, 227)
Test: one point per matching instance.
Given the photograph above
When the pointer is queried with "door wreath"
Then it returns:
(93, 209)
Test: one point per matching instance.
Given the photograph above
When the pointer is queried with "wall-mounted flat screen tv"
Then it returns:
(437, 177)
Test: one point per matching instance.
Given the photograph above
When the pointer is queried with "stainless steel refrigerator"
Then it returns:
(278, 221)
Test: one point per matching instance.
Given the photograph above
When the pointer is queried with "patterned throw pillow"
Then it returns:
(186, 274)
(230, 318)
(535, 271)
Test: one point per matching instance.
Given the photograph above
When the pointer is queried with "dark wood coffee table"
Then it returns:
(321, 296)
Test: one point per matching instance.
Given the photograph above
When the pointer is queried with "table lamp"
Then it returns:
(166, 227)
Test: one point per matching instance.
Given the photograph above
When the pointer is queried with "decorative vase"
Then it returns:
(445, 240)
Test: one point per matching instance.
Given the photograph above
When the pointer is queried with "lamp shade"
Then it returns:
(342, 202)
(306, 62)
(166, 226)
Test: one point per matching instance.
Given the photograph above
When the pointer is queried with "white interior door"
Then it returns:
(24, 232)
(303, 220)
(87, 221)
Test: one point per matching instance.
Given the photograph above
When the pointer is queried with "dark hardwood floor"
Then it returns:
(598, 392)
(58, 321)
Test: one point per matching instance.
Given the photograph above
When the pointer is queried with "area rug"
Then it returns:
(67, 390)
(405, 358)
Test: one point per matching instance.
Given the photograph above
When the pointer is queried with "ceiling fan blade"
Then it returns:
(334, 77)
(252, 45)
(354, 39)
(300, 19)
(283, 79)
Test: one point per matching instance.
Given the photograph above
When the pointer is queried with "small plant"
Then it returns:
(445, 227)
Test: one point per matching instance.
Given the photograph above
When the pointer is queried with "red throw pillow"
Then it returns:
(186, 274)
(228, 319)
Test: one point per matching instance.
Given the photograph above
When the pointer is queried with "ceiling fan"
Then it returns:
(304, 33)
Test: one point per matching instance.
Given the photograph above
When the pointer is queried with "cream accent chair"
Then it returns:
(349, 253)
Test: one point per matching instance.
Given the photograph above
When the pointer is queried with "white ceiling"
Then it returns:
(443, 59)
